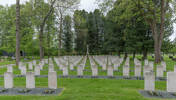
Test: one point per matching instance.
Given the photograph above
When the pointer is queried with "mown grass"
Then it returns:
(91, 89)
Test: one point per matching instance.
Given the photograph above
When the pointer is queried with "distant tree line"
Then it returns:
(58, 28)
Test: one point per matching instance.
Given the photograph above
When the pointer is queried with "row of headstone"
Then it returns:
(149, 81)
(68, 62)
(105, 61)
(30, 80)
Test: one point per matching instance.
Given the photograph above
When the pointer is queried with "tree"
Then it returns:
(63, 7)
(67, 34)
(126, 31)
(17, 32)
(81, 31)
(42, 25)
(155, 13)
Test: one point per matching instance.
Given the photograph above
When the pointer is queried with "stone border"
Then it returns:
(157, 94)
(30, 92)
(97, 77)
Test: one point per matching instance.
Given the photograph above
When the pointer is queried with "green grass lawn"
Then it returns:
(90, 89)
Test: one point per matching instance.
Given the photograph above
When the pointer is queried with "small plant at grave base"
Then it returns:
(162, 79)
(152, 93)
(49, 91)
(24, 91)
(174, 94)
(127, 77)
(3, 90)
(160, 94)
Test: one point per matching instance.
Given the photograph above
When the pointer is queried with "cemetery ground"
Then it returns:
(89, 89)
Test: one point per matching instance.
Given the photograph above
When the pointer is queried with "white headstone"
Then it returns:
(146, 62)
(164, 65)
(8, 80)
(151, 65)
(159, 71)
(23, 70)
(71, 67)
(175, 68)
(51, 67)
(80, 70)
(52, 80)
(94, 70)
(10, 68)
(30, 80)
(116, 65)
(126, 70)
(65, 71)
(34, 62)
(149, 81)
(146, 69)
(138, 70)
(104, 66)
(110, 71)
(171, 81)
(30, 66)
(37, 70)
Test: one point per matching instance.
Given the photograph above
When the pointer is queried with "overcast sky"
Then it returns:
(88, 5)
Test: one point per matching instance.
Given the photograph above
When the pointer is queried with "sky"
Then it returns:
(88, 5)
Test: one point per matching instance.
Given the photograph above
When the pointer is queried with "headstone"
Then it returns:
(151, 65)
(164, 65)
(52, 80)
(146, 69)
(30, 66)
(146, 62)
(126, 70)
(34, 62)
(30, 80)
(71, 67)
(8, 80)
(41, 65)
(10, 68)
(175, 68)
(80, 70)
(171, 81)
(23, 70)
(104, 66)
(94, 71)
(159, 71)
(110, 71)
(65, 71)
(116, 65)
(138, 70)
(149, 81)
(37, 70)
(51, 67)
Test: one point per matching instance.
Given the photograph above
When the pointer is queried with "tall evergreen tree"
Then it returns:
(67, 34)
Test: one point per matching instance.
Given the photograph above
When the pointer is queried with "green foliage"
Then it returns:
(67, 34)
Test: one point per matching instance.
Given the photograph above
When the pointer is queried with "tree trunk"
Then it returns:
(159, 37)
(134, 54)
(41, 41)
(60, 35)
(144, 54)
(17, 32)
(156, 35)
(119, 54)
(126, 55)
(48, 42)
